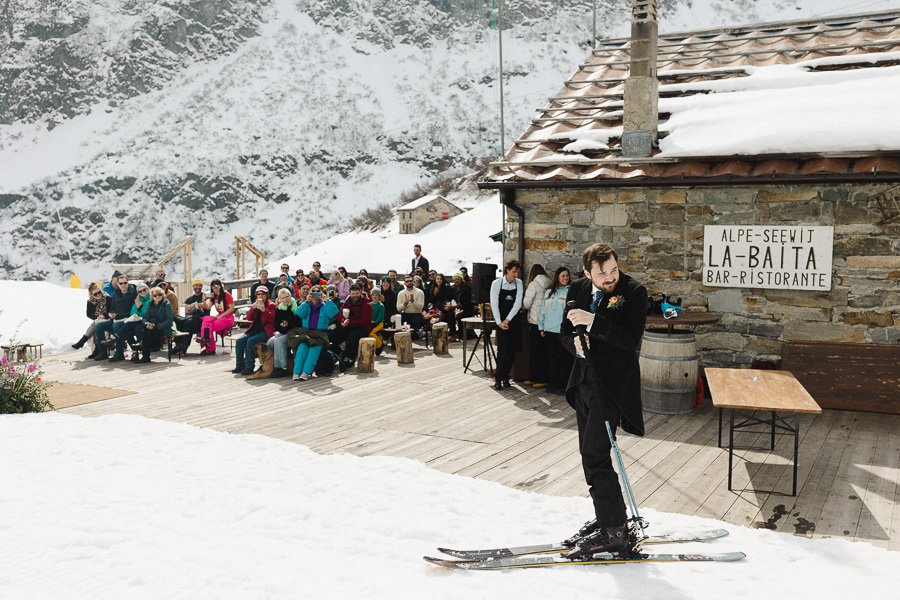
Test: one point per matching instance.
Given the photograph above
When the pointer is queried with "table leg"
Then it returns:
(772, 447)
(720, 427)
(465, 337)
(730, 447)
(796, 449)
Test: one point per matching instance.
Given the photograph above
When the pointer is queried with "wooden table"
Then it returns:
(760, 390)
(687, 319)
(487, 326)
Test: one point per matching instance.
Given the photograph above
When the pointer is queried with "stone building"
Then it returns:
(428, 209)
(764, 130)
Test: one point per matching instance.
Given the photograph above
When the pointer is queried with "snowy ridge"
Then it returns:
(276, 121)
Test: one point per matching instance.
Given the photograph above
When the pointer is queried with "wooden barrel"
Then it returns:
(669, 364)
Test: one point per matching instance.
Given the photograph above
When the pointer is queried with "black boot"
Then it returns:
(586, 529)
(614, 540)
(80, 343)
(98, 352)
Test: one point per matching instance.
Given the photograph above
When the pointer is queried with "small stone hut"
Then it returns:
(428, 209)
(772, 132)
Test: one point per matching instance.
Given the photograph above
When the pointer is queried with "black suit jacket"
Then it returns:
(423, 262)
(615, 339)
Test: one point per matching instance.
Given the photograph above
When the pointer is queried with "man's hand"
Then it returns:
(504, 324)
(580, 317)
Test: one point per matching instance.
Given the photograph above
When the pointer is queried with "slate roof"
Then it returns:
(574, 138)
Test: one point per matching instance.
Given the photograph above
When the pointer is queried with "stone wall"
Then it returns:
(658, 234)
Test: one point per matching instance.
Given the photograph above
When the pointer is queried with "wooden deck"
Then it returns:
(849, 463)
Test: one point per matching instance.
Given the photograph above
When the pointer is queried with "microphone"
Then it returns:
(581, 330)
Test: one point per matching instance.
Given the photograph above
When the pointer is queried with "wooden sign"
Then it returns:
(775, 257)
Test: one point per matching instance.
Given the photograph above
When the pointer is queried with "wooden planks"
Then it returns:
(525, 438)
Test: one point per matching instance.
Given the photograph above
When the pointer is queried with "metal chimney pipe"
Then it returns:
(641, 117)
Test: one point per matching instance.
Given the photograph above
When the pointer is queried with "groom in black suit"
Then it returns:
(419, 261)
(602, 326)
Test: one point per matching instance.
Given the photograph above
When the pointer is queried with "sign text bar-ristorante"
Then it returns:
(757, 256)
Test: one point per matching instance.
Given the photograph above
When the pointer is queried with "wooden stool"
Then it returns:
(365, 358)
(440, 331)
(403, 341)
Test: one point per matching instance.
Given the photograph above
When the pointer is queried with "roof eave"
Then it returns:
(721, 181)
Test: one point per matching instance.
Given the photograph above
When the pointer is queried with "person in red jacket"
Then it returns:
(262, 315)
(353, 324)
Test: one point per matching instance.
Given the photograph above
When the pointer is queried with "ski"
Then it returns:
(700, 536)
(522, 562)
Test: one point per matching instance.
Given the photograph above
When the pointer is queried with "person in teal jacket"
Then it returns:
(559, 361)
(315, 316)
(155, 325)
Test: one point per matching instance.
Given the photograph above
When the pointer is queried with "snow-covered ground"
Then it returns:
(125, 507)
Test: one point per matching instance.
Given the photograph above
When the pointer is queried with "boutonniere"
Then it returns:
(615, 303)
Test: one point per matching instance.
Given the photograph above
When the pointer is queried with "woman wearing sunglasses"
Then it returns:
(97, 307)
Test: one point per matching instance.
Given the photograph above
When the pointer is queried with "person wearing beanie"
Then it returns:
(194, 310)
(110, 287)
(264, 280)
(262, 327)
(377, 318)
(341, 283)
(285, 320)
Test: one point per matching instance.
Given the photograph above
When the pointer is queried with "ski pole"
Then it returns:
(629, 495)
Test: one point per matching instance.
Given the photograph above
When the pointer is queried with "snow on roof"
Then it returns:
(422, 202)
(798, 93)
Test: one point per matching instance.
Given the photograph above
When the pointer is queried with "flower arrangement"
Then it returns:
(22, 390)
(615, 303)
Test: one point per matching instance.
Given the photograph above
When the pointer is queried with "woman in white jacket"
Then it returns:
(536, 285)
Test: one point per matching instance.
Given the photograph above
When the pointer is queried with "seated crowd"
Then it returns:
(311, 323)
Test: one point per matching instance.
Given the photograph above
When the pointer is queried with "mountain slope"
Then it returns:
(128, 124)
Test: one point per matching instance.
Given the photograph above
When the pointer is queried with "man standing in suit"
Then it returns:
(419, 261)
(603, 326)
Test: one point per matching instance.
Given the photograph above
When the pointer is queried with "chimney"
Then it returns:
(641, 88)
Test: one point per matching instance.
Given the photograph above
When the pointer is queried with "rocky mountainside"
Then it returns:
(127, 124)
